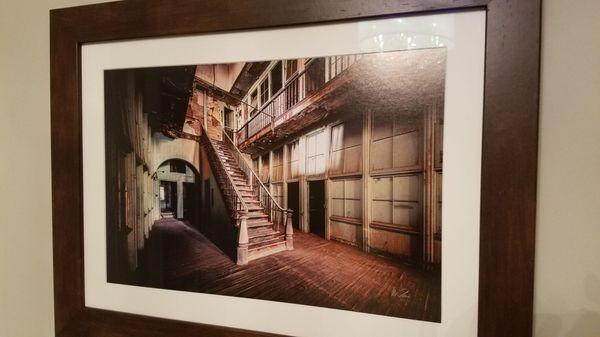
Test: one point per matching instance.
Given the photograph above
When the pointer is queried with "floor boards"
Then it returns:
(317, 272)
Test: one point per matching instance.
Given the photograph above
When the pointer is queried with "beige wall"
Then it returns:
(567, 298)
(567, 265)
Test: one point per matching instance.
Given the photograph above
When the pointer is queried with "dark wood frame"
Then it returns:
(509, 166)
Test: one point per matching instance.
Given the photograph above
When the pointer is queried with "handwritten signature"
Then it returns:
(402, 293)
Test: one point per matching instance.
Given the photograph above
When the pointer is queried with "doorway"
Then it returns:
(190, 203)
(228, 121)
(168, 198)
(178, 190)
(294, 203)
(316, 207)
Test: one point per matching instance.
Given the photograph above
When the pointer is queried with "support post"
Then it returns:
(205, 109)
(289, 230)
(242, 250)
(179, 211)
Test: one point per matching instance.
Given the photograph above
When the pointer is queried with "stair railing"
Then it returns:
(233, 197)
(277, 214)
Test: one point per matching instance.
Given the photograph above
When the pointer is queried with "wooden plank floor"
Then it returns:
(317, 272)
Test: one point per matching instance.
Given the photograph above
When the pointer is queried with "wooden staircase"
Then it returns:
(264, 238)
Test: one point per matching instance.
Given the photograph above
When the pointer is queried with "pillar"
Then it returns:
(366, 178)
(179, 199)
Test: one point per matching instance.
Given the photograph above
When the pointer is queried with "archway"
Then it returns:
(179, 191)
(178, 148)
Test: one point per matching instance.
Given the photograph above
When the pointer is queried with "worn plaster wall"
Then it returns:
(567, 302)
(218, 74)
(178, 148)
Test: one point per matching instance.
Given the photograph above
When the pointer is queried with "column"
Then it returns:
(302, 185)
(366, 178)
(179, 199)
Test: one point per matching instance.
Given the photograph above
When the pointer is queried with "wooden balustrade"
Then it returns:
(277, 215)
(315, 75)
(232, 196)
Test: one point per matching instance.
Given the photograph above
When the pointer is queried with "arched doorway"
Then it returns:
(179, 191)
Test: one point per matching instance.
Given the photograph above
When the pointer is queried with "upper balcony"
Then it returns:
(330, 87)
(301, 100)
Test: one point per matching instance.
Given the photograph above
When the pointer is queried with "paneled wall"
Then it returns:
(346, 148)
(397, 142)
(264, 168)
(346, 210)
(293, 160)
(316, 150)
(396, 158)
(397, 214)
(277, 162)
(383, 178)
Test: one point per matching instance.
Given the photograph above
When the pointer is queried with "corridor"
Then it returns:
(317, 272)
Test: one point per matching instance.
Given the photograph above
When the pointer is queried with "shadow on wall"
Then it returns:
(584, 322)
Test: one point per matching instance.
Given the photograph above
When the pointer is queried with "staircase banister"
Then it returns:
(245, 208)
(255, 176)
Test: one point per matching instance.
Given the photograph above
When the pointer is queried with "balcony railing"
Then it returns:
(315, 75)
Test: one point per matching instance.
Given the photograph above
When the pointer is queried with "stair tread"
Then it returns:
(267, 243)
(258, 219)
(260, 224)
(257, 215)
(261, 233)
(253, 220)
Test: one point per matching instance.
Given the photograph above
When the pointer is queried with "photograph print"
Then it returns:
(311, 181)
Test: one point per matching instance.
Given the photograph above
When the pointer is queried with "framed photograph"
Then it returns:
(315, 168)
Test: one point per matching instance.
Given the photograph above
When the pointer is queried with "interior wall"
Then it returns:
(567, 285)
(26, 292)
(567, 270)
